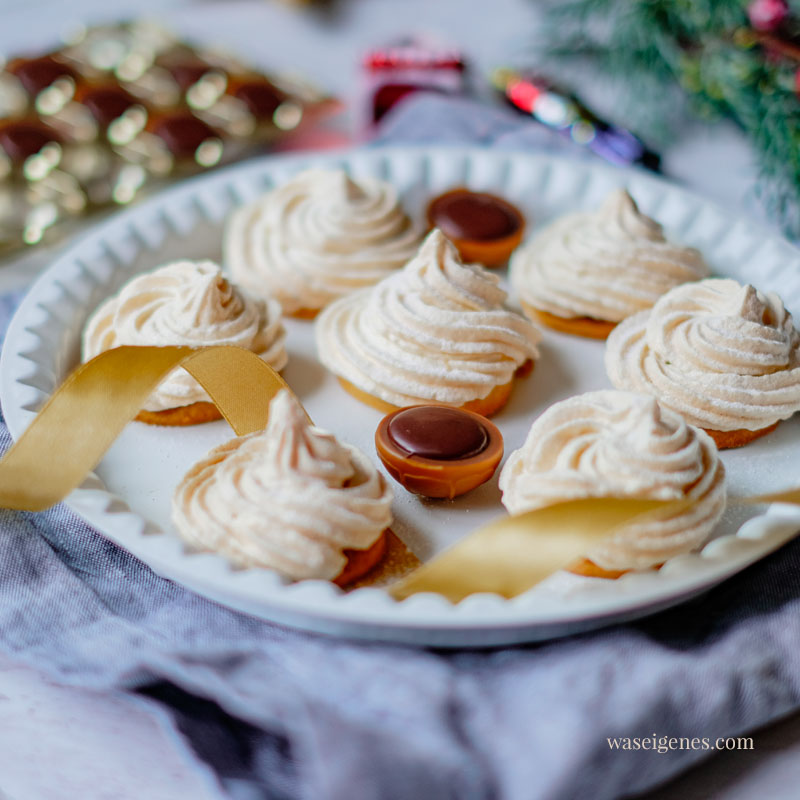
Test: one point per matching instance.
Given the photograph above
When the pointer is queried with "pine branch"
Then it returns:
(667, 52)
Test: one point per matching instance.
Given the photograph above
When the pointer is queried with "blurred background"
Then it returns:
(363, 56)
(710, 87)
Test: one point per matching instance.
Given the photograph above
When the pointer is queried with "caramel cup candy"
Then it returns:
(21, 139)
(437, 450)
(106, 102)
(182, 133)
(37, 74)
(485, 228)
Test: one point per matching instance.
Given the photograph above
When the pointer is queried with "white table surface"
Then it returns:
(99, 746)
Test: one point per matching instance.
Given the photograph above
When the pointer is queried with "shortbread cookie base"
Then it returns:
(485, 406)
(304, 313)
(193, 414)
(590, 570)
(396, 562)
(360, 562)
(587, 327)
(726, 440)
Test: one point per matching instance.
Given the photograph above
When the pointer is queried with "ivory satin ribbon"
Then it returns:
(85, 415)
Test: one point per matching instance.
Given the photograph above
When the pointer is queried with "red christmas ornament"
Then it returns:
(409, 65)
(767, 15)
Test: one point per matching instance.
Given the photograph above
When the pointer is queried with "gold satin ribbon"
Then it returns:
(89, 410)
(512, 554)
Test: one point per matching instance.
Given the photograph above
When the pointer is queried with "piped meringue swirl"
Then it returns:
(621, 444)
(606, 265)
(185, 303)
(319, 237)
(436, 331)
(290, 498)
(725, 356)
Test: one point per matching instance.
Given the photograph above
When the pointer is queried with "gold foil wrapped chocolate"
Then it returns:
(116, 111)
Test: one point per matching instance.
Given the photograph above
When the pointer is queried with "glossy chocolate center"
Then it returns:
(183, 133)
(470, 215)
(23, 139)
(446, 434)
(36, 74)
(261, 98)
(187, 73)
(107, 104)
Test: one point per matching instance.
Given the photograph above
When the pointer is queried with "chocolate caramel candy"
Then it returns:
(105, 103)
(483, 227)
(36, 74)
(438, 451)
(113, 111)
(182, 133)
(260, 96)
(187, 71)
(188, 138)
(24, 138)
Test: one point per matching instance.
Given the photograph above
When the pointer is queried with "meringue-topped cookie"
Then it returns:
(318, 237)
(600, 266)
(185, 303)
(725, 356)
(621, 444)
(437, 331)
(291, 498)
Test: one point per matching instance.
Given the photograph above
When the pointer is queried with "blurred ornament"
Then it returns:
(733, 58)
(120, 107)
(561, 111)
(409, 65)
(767, 15)
(777, 48)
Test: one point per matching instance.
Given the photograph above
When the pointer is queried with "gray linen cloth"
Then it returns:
(278, 713)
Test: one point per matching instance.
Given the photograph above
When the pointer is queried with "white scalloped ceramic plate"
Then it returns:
(128, 498)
